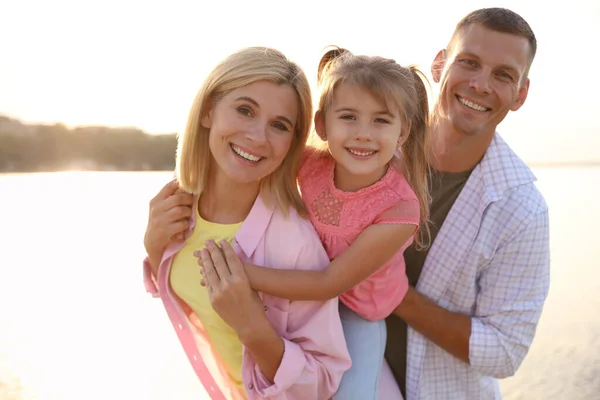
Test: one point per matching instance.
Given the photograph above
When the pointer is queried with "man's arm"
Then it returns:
(513, 288)
(450, 331)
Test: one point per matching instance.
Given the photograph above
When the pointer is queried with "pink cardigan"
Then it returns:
(315, 356)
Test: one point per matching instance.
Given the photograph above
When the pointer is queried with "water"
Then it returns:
(75, 322)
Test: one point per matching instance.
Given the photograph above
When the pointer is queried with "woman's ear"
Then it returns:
(206, 120)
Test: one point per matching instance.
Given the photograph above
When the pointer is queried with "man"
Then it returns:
(480, 288)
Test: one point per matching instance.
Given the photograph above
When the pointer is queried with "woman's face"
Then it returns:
(251, 130)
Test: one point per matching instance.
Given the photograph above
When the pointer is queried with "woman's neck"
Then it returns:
(227, 202)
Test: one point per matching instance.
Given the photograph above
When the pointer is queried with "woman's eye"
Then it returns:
(244, 111)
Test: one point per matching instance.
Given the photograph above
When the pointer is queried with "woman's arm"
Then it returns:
(372, 249)
(315, 355)
(308, 355)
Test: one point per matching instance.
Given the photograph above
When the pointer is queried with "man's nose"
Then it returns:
(481, 82)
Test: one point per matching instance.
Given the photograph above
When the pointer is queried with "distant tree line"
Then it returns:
(36, 148)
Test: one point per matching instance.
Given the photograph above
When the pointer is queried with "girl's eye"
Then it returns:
(281, 126)
(348, 117)
(382, 121)
(244, 111)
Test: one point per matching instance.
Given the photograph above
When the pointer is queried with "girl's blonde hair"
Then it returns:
(402, 89)
(240, 69)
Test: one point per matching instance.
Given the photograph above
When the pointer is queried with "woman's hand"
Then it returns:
(168, 219)
(229, 289)
(239, 306)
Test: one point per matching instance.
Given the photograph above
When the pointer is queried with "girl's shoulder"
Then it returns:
(400, 185)
(316, 165)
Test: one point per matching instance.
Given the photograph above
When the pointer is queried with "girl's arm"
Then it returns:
(371, 250)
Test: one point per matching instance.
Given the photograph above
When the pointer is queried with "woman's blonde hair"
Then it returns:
(401, 88)
(240, 69)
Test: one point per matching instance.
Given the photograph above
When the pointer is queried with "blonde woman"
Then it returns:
(239, 156)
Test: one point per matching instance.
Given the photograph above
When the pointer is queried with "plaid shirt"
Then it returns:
(490, 260)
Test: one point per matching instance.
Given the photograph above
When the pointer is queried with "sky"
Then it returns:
(140, 63)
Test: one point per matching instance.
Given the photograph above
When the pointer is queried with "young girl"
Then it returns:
(366, 193)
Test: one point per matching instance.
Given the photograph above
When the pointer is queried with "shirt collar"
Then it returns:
(501, 169)
(252, 229)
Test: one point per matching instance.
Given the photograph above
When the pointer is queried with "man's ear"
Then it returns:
(320, 125)
(521, 96)
(437, 66)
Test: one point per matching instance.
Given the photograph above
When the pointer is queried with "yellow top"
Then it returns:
(185, 280)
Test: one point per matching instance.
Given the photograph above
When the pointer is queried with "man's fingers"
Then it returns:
(176, 200)
(177, 213)
(167, 190)
(178, 228)
(178, 237)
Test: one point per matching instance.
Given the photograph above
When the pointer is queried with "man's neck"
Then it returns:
(226, 202)
(456, 152)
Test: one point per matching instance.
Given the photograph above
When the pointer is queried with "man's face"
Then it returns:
(483, 77)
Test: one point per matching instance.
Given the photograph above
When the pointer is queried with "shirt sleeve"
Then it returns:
(404, 211)
(315, 355)
(513, 291)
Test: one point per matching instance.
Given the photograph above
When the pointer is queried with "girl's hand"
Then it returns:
(229, 289)
(168, 219)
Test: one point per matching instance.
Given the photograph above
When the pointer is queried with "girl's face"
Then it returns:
(362, 134)
(251, 130)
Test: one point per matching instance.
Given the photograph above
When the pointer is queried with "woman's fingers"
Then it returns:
(218, 260)
(232, 259)
(211, 276)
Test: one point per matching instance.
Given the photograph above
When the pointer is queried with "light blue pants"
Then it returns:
(366, 344)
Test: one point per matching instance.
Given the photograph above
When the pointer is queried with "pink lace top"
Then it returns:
(339, 217)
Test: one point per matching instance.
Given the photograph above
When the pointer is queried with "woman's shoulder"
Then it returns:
(294, 239)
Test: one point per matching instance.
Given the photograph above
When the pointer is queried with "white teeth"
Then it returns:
(245, 155)
(474, 106)
(361, 153)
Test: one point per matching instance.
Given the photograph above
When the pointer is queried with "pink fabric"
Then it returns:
(388, 387)
(340, 217)
(315, 356)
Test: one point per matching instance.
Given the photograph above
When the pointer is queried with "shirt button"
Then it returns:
(251, 386)
(180, 326)
(266, 308)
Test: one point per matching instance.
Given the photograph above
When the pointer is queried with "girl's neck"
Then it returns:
(227, 202)
(346, 181)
